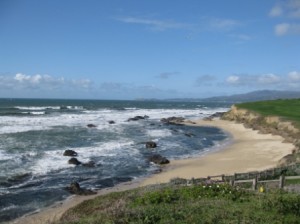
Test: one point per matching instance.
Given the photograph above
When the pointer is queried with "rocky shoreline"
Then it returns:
(268, 125)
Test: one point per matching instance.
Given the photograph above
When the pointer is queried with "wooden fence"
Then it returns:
(276, 176)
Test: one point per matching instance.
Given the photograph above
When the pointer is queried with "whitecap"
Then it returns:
(159, 133)
(37, 108)
(37, 113)
(5, 156)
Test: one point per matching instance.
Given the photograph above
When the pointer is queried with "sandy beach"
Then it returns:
(247, 151)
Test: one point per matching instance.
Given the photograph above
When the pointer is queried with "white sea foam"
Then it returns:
(131, 108)
(5, 156)
(51, 161)
(8, 208)
(159, 133)
(54, 160)
(100, 118)
(37, 108)
(75, 107)
(37, 112)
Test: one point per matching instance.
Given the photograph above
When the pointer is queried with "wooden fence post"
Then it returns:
(254, 183)
(232, 180)
(281, 181)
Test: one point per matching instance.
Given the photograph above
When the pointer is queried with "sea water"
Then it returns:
(34, 133)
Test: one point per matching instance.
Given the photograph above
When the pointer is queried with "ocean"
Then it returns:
(34, 133)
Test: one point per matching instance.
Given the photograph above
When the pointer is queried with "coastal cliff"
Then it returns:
(268, 125)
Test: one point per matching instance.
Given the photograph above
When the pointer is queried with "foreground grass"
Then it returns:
(287, 109)
(195, 204)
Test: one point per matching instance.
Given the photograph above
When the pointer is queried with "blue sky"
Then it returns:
(117, 49)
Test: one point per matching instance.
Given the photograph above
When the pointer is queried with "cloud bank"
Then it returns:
(285, 82)
(289, 11)
(42, 82)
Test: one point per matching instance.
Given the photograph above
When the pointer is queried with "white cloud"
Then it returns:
(287, 29)
(252, 80)
(294, 76)
(288, 8)
(21, 77)
(276, 11)
(293, 8)
(282, 29)
(290, 11)
(268, 79)
(43, 82)
(37, 81)
(233, 79)
(158, 25)
(284, 82)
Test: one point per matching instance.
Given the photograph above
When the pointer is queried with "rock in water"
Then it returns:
(69, 152)
(173, 120)
(189, 134)
(151, 144)
(89, 164)
(111, 122)
(75, 188)
(136, 118)
(74, 161)
(91, 126)
(158, 159)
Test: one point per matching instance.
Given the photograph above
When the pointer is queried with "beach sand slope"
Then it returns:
(248, 151)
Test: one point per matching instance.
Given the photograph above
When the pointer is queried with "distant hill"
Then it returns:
(246, 97)
(256, 96)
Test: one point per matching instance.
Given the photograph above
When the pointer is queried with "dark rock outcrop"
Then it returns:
(151, 144)
(215, 115)
(158, 159)
(91, 126)
(70, 152)
(111, 122)
(75, 188)
(173, 120)
(89, 164)
(136, 118)
(74, 161)
(189, 134)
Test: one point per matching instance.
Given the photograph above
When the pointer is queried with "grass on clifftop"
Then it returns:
(287, 109)
(194, 204)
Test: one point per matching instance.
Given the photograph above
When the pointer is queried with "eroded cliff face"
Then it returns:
(268, 124)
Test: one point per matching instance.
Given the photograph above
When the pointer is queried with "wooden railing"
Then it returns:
(276, 176)
(255, 182)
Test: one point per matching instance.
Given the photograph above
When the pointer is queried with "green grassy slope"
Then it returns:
(286, 109)
(194, 204)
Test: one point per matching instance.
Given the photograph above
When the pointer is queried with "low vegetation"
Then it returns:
(188, 204)
(287, 109)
